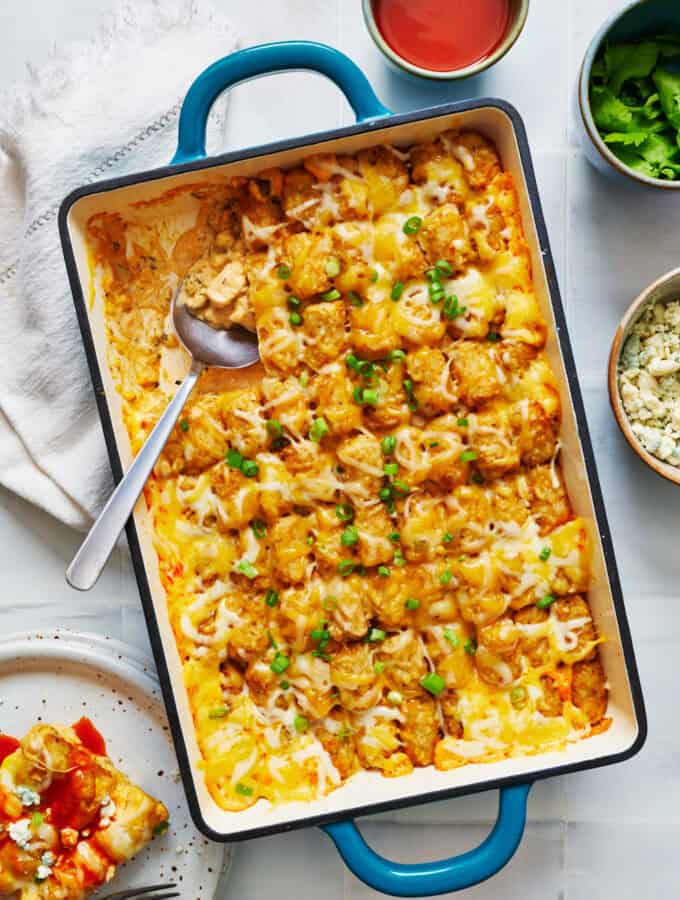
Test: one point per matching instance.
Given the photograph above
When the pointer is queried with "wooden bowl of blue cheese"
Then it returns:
(644, 376)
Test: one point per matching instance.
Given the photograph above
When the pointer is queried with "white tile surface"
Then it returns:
(602, 834)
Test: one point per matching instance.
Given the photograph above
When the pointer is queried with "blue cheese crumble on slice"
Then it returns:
(649, 380)
(44, 870)
(28, 796)
(21, 833)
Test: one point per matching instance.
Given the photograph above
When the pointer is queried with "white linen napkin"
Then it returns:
(97, 110)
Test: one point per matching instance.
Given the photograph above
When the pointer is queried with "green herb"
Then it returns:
(333, 294)
(272, 640)
(346, 567)
(635, 102)
(350, 536)
(259, 528)
(332, 267)
(433, 683)
(493, 336)
(318, 430)
(37, 819)
(370, 397)
(388, 444)
(219, 712)
(394, 537)
(445, 577)
(243, 789)
(294, 302)
(161, 828)
(379, 668)
(412, 225)
(310, 539)
(383, 571)
(412, 603)
(280, 664)
(234, 459)
(470, 646)
(452, 637)
(374, 276)
(385, 494)
(546, 601)
(284, 271)
(301, 724)
(444, 267)
(434, 443)
(463, 423)
(284, 685)
(250, 468)
(352, 362)
(451, 309)
(344, 512)
(397, 356)
(545, 554)
(397, 290)
(274, 428)
(401, 486)
(295, 319)
(447, 537)
(245, 567)
(184, 425)
(390, 468)
(375, 635)
(354, 298)
(271, 598)
(468, 455)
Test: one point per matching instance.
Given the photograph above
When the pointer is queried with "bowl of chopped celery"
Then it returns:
(629, 95)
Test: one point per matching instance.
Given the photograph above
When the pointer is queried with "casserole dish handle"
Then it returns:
(442, 876)
(265, 59)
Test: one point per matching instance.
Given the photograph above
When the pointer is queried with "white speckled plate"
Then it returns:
(59, 676)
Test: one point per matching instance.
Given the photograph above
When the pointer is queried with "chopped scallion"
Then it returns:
(412, 225)
(433, 683)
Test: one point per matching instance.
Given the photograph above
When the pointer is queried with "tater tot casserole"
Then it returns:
(368, 551)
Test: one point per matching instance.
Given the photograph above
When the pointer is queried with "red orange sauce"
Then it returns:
(442, 35)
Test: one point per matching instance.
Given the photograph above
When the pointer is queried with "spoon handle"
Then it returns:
(91, 558)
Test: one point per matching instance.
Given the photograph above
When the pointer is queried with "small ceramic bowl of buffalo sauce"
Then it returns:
(444, 40)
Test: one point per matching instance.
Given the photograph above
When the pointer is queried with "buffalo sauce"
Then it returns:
(89, 737)
(7, 746)
(442, 35)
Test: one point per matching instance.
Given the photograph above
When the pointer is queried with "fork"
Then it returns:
(148, 893)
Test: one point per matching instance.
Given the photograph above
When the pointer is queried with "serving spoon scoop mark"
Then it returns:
(235, 348)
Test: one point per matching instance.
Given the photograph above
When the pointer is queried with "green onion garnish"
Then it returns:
(245, 567)
(468, 455)
(354, 298)
(37, 819)
(452, 637)
(388, 444)
(295, 318)
(294, 302)
(401, 486)
(161, 828)
(545, 554)
(350, 536)
(394, 536)
(333, 294)
(346, 567)
(433, 683)
(384, 571)
(379, 668)
(271, 598)
(219, 712)
(446, 577)
(412, 225)
(447, 537)
(385, 494)
(318, 430)
(375, 635)
(344, 512)
(493, 336)
(370, 396)
(390, 468)
(280, 664)
(451, 309)
(301, 724)
(412, 603)
(397, 290)
(243, 789)
(397, 356)
(284, 684)
(274, 428)
(463, 423)
(250, 468)
(259, 528)
(184, 425)
(374, 276)
(546, 601)
(284, 271)
(470, 646)
(332, 266)
(234, 459)
(444, 267)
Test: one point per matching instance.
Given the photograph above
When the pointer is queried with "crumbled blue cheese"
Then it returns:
(107, 812)
(44, 870)
(20, 832)
(649, 380)
(28, 796)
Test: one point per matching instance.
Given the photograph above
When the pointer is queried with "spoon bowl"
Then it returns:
(233, 348)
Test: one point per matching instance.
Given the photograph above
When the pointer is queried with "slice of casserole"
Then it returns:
(68, 817)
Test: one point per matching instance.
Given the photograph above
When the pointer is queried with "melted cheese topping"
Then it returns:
(369, 558)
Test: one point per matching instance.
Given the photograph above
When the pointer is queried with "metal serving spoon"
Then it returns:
(235, 348)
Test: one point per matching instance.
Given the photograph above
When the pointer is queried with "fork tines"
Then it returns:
(148, 893)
